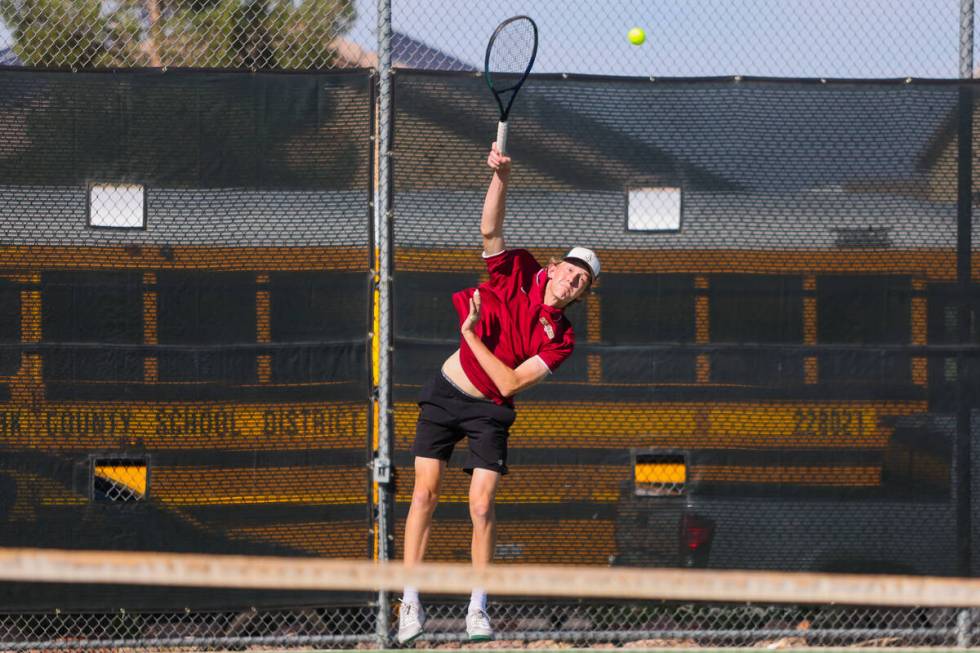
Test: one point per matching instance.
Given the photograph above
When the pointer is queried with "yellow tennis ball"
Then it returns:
(636, 36)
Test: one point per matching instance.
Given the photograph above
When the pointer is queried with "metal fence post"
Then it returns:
(966, 39)
(964, 445)
(382, 470)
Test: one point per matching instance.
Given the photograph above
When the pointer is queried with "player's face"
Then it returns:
(567, 282)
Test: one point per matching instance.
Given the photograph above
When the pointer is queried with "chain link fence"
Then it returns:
(690, 625)
(825, 38)
(703, 38)
(154, 33)
(562, 622)
(332, 627)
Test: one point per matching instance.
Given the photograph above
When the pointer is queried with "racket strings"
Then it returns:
(513, 48)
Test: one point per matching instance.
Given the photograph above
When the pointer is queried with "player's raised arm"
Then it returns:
(494, 206)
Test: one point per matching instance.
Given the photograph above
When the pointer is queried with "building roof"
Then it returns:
(412, 53)
(406, 52)
(9, 58)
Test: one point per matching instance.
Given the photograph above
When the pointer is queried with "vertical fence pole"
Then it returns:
(966, 39)
(382, 470)
(964, 252)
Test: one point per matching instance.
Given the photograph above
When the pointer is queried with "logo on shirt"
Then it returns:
(548, 329)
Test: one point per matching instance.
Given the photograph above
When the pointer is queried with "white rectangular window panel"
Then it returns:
(654, 209)
(117, 206)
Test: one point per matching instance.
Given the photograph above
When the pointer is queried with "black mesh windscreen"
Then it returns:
(776, 369)
(184, 320)
(772, 370)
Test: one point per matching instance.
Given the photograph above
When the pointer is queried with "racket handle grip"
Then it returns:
(502, 137)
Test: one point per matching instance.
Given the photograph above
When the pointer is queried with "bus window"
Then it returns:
(643, 309)
(92, 307)
(864, 310)
(943, 328)
(757, 309)
(575, 369)
(329, 312)
(206, 309)
(9, 326)
(423, 304)
(425, 322)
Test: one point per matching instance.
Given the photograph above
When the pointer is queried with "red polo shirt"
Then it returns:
(515, 324)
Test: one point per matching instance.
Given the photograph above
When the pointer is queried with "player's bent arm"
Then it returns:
(495, 204)
(508, 381)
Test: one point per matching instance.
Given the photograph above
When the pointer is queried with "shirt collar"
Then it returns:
(537, 295)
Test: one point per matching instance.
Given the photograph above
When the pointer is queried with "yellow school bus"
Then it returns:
(187, 398)
(737, 409)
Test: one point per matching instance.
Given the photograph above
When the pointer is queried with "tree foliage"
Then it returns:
(256, 34)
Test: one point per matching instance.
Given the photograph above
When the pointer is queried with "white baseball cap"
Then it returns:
(586, 256)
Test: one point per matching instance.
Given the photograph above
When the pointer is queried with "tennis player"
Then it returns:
(513, 335)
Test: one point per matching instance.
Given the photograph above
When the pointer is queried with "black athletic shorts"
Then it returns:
(447, 414)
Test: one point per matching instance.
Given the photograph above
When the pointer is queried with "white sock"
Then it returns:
(410, 595)
(478, 599)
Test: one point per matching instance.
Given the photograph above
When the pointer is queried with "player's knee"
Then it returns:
(481, 509)
(425, 497)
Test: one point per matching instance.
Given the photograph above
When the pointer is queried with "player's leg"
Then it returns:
(483, 491)
(487, 426)
(487, 462)
(435, 436)
(425, 496)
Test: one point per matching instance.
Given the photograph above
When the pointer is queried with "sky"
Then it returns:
(796, 38)
(785, 38)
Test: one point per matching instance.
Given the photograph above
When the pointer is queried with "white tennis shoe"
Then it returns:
(411, 619)
(478, 625)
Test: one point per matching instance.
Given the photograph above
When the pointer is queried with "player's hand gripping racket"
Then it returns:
(510, 56)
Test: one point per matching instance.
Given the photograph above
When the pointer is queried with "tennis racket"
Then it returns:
(510, 56)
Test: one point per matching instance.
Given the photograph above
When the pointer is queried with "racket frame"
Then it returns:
(497, 93)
